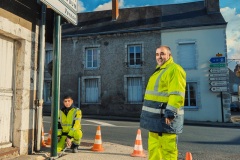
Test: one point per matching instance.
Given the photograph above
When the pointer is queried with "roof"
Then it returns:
(159, 17)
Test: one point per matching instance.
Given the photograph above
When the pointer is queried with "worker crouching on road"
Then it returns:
(162, 111)
(69, 126)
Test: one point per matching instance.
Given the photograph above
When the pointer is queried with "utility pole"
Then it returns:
(56, 81)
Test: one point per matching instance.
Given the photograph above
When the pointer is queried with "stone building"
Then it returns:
(108, 57)
(19, 47)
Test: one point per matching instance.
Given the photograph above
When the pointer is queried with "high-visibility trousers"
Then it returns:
(162, 147)
(77, 136)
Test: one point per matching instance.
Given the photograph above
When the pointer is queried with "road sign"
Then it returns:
(218, 65)
(71, 4)
(218, 83)
(219, 55)
(66, 8)
(219, 89)
(218, 78)
(218, 70)
(217, 60)
(218, 75)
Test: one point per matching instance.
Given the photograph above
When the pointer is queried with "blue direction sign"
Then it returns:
(217, 60)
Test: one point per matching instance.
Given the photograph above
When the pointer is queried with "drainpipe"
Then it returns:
(39, 120)
(79, 91)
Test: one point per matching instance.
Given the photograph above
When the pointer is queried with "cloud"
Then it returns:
(81, 7)
(108, 6)
(233, 32)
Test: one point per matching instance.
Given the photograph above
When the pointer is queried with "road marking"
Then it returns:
(100, 123)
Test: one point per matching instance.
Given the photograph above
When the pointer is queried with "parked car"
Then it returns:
(235, 106)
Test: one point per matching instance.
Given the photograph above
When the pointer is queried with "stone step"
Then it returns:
(8, 153)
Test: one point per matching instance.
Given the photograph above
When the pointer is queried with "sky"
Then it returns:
(230, 10)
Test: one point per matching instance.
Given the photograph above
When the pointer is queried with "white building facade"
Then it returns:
(204, 43)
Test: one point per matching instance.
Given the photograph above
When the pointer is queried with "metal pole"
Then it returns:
(56, 81)
(79, 91)
(222, 107)
(40, 78)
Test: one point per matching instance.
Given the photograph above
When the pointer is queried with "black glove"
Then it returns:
(170, 114)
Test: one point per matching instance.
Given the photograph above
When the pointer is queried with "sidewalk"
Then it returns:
(111, 151)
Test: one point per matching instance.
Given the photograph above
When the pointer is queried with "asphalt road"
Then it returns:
(204, 142)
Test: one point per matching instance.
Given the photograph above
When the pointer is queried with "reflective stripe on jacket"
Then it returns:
(165, 86)
(70, 122)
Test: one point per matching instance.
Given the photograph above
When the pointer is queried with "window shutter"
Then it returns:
(134, 89)
(187, 55)
(92, 90)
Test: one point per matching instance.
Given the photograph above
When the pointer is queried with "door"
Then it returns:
(6, 90)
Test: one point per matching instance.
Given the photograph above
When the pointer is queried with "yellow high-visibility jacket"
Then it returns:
(68, 124)
(167, 85)
(165, 90)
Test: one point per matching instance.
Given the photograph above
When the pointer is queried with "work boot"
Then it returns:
(74, 148)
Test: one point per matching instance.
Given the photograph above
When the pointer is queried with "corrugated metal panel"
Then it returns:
(6, 88)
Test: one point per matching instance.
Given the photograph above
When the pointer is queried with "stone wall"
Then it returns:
(21, 25)
(113, 68)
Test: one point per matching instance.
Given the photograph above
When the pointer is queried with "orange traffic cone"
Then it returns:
(97, 146)
(188, 156)
(49, 137)
(138, 148)
(43, 141)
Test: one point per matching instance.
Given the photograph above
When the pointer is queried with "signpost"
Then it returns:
(218, 65)
(218, 70)
(218, 76)
(218, 83)
(66, 8)
(217, 60)
(218, 73)
(219, 89)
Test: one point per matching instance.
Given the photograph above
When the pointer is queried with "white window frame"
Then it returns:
(84, 89)
(92, 48)
(187, 94)
(126, 88)
(127, 58)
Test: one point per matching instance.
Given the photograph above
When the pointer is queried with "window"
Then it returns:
(187, 55)
(134, 55)
(92, 57)
(134, 89)
(91, 89)
(133, 86)
(48, 57)
(47, 91)
(191, 94)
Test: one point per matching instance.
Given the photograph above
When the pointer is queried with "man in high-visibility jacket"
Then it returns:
(162, 111)
(69, 126)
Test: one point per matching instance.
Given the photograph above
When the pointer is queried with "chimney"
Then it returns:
(115, 10)
(212, 6)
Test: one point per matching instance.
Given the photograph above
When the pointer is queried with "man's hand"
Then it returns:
(69, 142)
(169, 116)
(168, 121)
